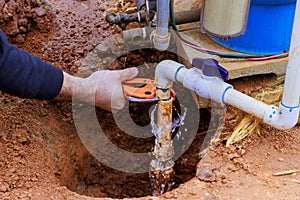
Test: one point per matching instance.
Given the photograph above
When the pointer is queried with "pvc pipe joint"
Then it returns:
(161, 43)
(282, 118)
(205, 86)
(167, 72)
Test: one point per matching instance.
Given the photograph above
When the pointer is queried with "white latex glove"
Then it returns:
(102, 89)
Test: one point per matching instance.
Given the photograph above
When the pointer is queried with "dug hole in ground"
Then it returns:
(42, 156)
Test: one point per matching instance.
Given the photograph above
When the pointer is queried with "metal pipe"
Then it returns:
(137, 35)
(162, 18)
(187, 16)
(140, 4)
(162, 167)
(164, 148)
(151, 8)
(139, 16)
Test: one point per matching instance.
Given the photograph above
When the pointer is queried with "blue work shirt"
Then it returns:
(27, 76)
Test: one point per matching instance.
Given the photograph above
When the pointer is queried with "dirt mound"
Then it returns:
(18, 17)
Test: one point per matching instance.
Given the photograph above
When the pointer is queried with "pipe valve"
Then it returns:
(210, 67)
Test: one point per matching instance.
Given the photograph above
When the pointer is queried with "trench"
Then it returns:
(80, 170)
(84, 174)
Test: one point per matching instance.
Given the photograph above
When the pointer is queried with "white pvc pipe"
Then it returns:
(161, 36)
(162, 17)
(247, 104)
(168, 71)
(290, 97)
(280, 118)
(214, 88)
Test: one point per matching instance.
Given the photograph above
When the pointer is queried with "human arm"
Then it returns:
(27, 76)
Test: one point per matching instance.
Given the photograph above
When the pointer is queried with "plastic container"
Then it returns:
(268, 30)
(225, 18)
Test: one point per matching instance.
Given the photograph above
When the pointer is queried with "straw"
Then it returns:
(249, 124)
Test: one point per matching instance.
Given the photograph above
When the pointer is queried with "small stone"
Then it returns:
(4, 187)
(281, 159)
(103, 49)
(23, 22)
(23, 29)
(20, 38)
(34, 179)
(118, 29)
(233, 155)
(205, 173)
(242, 152)
(104, 26)
(102, 7)
(169, 195)
(40, 11)
(23, 139)
(12, 170)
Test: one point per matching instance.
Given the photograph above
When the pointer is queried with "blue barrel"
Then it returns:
(268, 30)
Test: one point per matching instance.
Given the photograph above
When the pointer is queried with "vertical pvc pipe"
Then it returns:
(162, 17)
(290, 98)
(161, 36)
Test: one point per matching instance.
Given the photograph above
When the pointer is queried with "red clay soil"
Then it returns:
(42, 156)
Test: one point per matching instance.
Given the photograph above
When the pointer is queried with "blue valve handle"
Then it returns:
(210, 67)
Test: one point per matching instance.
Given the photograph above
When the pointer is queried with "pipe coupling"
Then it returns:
(161, 43)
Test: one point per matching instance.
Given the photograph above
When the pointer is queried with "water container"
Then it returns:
(224, 19)
(268, 30)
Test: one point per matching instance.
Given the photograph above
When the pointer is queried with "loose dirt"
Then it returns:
(42, 157)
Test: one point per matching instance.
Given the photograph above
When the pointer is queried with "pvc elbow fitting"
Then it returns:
(167, 72)
(282, 118)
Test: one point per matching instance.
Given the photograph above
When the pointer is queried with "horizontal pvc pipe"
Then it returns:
(246, 103)
(214, 88)
(281, 118)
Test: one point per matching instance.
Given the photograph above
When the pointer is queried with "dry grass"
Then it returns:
(249, 124)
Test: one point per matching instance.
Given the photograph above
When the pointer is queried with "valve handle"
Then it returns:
(210, 67)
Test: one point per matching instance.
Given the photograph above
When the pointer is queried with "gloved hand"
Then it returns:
(109, 93)
(102, 88)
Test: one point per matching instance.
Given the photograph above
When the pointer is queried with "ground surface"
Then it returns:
(42, 156)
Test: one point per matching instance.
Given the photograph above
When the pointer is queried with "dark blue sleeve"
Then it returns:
(27, 76)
